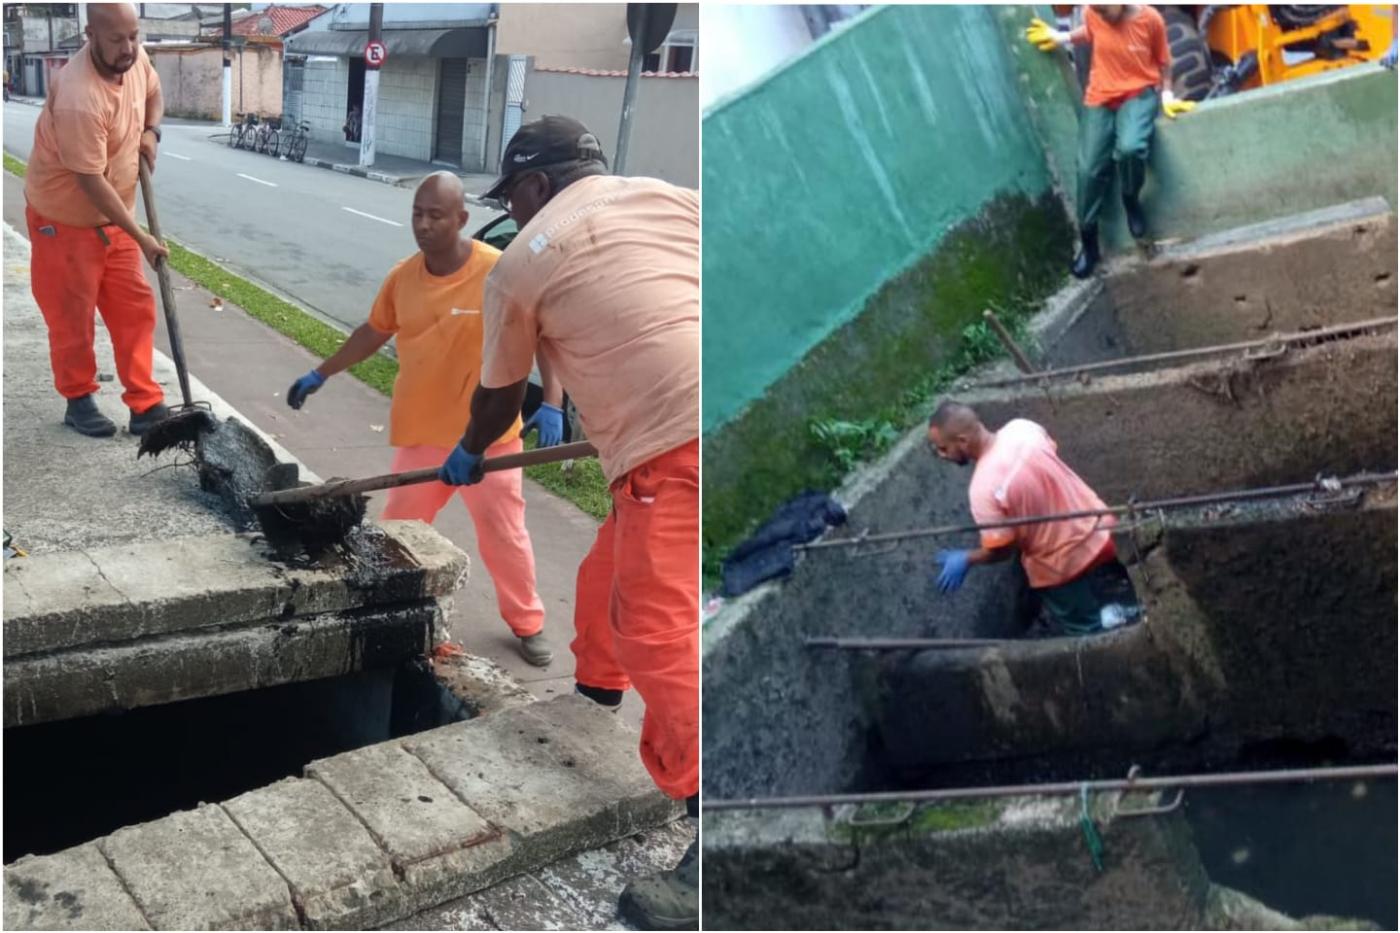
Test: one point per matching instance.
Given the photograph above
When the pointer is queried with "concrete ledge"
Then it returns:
(73, 890)
(196, 870)
(368, 837)
(339, 877)
(88, 680)
(530, 773)
(69, 599)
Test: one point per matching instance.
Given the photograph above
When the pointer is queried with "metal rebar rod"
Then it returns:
(1063, 788)
(1023, 362)
(1264, 492)
(894, 644)
(1338, 330)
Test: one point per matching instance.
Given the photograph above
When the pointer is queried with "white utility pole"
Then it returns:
(371, 102)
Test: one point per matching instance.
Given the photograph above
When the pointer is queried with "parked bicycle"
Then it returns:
(295, 137)
(243, 129)
(267, 141)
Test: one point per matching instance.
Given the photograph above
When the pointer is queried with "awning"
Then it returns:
(464, 42)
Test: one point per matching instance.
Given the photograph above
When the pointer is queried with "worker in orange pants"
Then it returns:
(602, 288)
(431, 303)
(497, 508)
(102, 115)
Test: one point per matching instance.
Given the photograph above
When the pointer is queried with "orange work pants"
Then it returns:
(637, 612)
(74, 270)
(497, 507)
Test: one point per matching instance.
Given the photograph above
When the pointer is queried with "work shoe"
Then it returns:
(535, 650)
(148, 419)
(1137, 221)
(599, 695)
(82, 416)
(1088, 257)
(668, 901)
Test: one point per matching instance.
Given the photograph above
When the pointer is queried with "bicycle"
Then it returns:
(296, 135)
(267, 141)
(236, 132)
(248, 132)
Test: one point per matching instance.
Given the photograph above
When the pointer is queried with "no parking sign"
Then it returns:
(375, 53)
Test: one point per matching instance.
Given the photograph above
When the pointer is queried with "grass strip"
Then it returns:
(583, 485)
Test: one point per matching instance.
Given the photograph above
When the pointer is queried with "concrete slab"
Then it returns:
(72, 890)
(561, 775)
(340, 879)
(50, 503)
(212, 580)
(229, 885)
(421, 819)
(88, 680)
(588, 884)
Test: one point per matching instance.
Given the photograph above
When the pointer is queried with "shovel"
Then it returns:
(187, 420)
(315, 517)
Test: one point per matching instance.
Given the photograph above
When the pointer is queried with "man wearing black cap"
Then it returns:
(602, 285)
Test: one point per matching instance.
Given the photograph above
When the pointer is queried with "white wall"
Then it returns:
(740, 44)
(323, 97)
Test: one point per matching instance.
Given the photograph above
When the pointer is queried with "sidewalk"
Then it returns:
(388, 169)
(343, 431)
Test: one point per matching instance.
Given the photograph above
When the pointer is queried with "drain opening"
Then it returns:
(77, 780)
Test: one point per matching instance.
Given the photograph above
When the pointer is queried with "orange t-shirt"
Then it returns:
(604, 283)
(1021, 476)
(89, 126)
(437, 320)
(1128, 56)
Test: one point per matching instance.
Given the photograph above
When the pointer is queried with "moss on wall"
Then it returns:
(884, 365)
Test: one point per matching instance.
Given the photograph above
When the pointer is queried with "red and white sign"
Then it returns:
(375, 53)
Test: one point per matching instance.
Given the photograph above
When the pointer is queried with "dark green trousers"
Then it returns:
(1122, 136)
(1075, 608)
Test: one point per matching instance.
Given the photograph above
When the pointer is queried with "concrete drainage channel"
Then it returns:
(206, 736)
(1269, 639)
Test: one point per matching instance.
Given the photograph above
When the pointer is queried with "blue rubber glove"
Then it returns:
(954, 565)
(550, 421)
(303, 387)
(1388, 59)
(461, 468)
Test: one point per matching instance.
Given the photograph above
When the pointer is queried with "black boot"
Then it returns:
(599, 695)
(141, 423)
(1137, 223)
(82, 416)
(1088, 256)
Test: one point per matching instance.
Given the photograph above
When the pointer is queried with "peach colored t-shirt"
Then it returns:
(89, 126)
(1021, 476)
(604, 284)
(1128, 56)
(437, 320)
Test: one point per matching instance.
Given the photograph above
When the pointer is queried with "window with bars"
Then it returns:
(676, 54)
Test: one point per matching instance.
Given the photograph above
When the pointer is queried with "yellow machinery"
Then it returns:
(1223, 49)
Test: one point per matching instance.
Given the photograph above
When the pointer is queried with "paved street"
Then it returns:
(320, 237)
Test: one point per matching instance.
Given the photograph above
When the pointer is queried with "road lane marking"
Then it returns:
(270, 184)
(176, 155)
(392, 223)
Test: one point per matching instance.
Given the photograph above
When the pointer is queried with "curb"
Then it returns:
(398, 181)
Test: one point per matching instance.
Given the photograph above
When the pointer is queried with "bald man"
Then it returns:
(431, 302)
(1071, 564)
(102, 114)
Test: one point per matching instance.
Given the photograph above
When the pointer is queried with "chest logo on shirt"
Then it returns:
(458, 311)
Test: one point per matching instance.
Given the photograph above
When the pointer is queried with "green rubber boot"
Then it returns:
(668, 901)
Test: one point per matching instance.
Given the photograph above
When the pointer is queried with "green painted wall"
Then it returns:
(1273, 152)
(839, 171)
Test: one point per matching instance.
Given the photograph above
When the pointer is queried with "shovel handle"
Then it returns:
(167, 292)
(350, 487)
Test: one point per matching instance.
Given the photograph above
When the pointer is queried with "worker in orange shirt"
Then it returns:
(432, 302)
(1129, 78)
(102, 114)
(1071, 564)
(602, 284)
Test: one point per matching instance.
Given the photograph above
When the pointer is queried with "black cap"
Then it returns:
(548, 141)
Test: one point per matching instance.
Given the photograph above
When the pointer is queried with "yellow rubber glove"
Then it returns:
(1044, 36)
(1174, 108)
